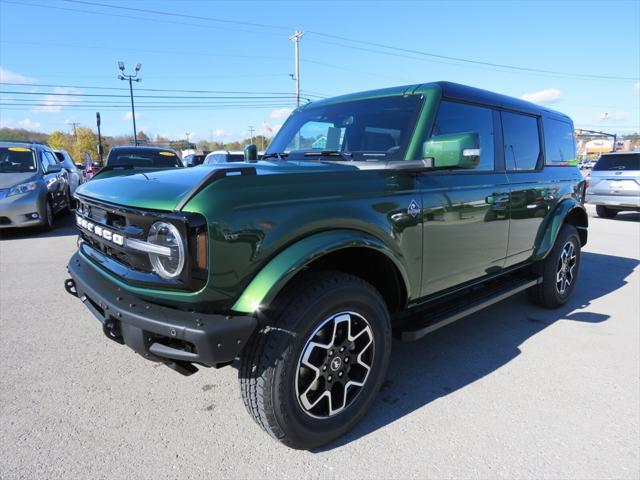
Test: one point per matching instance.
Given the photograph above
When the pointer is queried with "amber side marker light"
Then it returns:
(201, 252)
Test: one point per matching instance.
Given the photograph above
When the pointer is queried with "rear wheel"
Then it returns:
(605, 212)
(312, 373)
(559, 270)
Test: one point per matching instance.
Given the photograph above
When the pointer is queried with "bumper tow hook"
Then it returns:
(70, 287)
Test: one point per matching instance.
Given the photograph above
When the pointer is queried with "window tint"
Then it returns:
(521, 141)
(620, 161)
(559, 145)
(48, 158)
(461, 118)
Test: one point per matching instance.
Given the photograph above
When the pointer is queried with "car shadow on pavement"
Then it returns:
(63, 225)
(465, 351)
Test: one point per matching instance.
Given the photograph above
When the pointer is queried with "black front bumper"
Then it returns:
(159, 333)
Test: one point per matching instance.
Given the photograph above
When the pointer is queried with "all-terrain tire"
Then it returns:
(271, 361)
(554, 290)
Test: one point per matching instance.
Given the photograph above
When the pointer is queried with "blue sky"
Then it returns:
(61, 43)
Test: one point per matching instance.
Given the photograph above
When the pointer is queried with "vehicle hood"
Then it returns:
(164, 189)
(8, 180)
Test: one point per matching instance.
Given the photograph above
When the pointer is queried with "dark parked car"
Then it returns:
(33, 185)
(394, 211)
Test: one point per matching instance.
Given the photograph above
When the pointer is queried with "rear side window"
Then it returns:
(521, 141)
(620, 161)
(559, 143)
(461, 118)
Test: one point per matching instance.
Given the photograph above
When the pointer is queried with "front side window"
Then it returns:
(370, 129)
(521, 141)
(462, 118)
(17, 160)
(559, 144)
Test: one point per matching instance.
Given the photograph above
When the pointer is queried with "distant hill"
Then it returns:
(22, 135)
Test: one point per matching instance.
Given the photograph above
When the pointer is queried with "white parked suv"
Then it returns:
(614, 185)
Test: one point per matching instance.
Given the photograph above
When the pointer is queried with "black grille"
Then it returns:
(131, 265)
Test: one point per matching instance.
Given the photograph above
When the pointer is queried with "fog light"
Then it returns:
(34, 215)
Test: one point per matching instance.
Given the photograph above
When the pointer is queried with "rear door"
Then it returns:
(465, 212)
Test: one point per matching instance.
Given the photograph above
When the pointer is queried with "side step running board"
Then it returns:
(473, 302)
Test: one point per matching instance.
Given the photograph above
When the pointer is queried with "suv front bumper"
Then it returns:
(156, 332)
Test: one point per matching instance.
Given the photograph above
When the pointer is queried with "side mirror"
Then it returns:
(54, 169)
(80, 166)
(456, 150)
(251, 153)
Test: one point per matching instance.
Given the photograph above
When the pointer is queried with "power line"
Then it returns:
(464, 60)
(50, 85)
(141, 50)
(339, 37)
(174, 14)
(105, 95)
(133, 17)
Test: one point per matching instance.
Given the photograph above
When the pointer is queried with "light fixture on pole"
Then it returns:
(131, 78)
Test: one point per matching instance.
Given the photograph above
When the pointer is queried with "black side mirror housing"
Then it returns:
(251, 153)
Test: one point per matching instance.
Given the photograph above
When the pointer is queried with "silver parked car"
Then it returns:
(614, 185)
(33, 185)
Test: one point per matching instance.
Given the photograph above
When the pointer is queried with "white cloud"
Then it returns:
(7, 76)
(543, 97)
(219, 133)
(55, 103)
(614, 116)
(280, 113)
(636, 87)
(29, 124)
(129, 116)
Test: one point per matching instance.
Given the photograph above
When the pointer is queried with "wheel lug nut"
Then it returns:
(330, 352)
(339, 374)
(342, 349)
(346, 359)
(329, 378)
(324, 367)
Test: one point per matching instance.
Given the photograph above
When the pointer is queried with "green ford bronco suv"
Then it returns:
(390, 212)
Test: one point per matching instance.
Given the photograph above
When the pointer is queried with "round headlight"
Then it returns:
(166, 235)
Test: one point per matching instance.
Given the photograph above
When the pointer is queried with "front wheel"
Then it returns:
(47, 221)
(311, 374)
(559, 270)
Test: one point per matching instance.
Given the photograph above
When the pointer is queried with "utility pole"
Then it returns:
(297, 35)
(251, 130)
(131, 78)
(75, 131)
(187, 135)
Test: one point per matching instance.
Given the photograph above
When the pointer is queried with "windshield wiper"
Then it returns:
(348, 156)
(279, 156)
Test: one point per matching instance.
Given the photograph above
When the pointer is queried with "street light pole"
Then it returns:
(131, 78)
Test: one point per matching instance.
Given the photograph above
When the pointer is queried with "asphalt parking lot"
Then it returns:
(512, 392)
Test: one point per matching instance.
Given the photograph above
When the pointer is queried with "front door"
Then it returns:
(465, 212)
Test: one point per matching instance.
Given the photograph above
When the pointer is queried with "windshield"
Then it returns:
(143, 158)
(17, 160)
(372, 129)
(621, 161)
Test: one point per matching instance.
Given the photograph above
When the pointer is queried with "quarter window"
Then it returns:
(461, 118)
(521, 141)
(559, 144)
